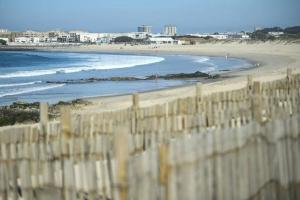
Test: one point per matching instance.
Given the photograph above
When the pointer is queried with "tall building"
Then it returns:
(144, 28)
(170, 30)
(4, 31)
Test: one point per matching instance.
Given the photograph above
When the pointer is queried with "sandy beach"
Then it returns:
(271, 60)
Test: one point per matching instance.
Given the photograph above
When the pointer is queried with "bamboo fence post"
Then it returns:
(164, 169)
(199, 93)
(65, 136)
(249, 82)
(289, 79)
(65, 119)
(121, 147)
(135, 100)
(256, 102)
(289, 73)
(44, 118)
(135, 107)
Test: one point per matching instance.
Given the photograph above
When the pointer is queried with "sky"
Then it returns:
(190, 16)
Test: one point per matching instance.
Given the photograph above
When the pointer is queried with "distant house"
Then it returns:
(238, 36)
(219, 36)
(23, 40)
(163, 40)
(276, 34)
(104, 40)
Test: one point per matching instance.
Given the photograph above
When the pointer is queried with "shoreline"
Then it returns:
(269, 69)
(273, 60)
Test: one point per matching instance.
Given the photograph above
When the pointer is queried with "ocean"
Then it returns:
(25, 75)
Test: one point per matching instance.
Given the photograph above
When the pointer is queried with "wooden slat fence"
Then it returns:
(240, 144)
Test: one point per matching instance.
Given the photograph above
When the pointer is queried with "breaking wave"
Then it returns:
(202, 59)
(28, 90)
(97, 63)
(18, 84)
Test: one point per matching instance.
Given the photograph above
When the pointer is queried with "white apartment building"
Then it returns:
(170, 30)
(144, 28)
(80, 36)
(4, 31)
(88, 37)
(32, 37)
(32, 34)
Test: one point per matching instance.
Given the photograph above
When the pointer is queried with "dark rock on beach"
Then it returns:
(196, 74)
(178, 76)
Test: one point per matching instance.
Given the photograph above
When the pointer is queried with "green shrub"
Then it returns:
(3, 42)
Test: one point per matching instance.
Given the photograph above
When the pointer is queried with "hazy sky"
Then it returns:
(126, 15)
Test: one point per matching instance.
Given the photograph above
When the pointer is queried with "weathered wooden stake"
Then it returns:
(249, 82)
(164, 168)
(199, 91)
(289, 79)
(65, 123)
(44, 118)
(256, 101)
(65, 118)
(44, 113)
(135, 106)
(199, 88)
(289, 72)
(135, 100)
(121, 154)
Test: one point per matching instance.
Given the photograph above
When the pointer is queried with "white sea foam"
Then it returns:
(201, 59)
(19, 84)
(97, 63)
(209, 69)
(28, 90)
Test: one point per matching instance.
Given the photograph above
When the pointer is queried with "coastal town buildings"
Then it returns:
(143, 35)
(84, 37)
(223, 36)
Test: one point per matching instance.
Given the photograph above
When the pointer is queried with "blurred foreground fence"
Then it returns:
(240, 144)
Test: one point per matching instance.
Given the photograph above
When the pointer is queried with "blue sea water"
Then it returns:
(24, 74)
